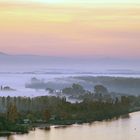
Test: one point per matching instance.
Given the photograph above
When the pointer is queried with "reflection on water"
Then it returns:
(122, 129)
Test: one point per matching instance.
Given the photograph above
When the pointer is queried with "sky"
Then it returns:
(83, 28)
(72, 1)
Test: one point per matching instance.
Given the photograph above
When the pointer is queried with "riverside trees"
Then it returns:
(45, 108)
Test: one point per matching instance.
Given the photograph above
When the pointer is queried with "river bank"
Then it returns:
(25, 114)
(114, 129)
(55, 124)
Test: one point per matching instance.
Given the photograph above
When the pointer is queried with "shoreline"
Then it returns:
(61, 124)
(66, 114)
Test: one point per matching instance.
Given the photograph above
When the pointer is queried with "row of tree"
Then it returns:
(16, 109)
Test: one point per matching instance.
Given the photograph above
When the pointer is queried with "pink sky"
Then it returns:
(70, 30)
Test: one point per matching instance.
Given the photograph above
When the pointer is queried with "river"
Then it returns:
(126, 128)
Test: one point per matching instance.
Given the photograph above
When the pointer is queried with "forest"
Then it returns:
(19, 114)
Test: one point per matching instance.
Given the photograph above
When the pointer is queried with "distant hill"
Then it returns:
(26, 59)
(94, 63)
(2, 54)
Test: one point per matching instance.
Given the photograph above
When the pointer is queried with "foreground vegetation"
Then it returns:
(20, 114)
(53, 110)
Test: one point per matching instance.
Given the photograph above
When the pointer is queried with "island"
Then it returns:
(22, 114)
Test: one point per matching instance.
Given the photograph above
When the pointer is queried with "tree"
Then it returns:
(46, 115)
(67, 90)
(75, 89)
(100, 89)
(78, 88)
(116, 100)
(125, 100)
(12, 113)
(49, 90)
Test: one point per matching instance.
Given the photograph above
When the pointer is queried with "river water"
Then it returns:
(126, 128)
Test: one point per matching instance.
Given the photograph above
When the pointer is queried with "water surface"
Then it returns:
(120, 129)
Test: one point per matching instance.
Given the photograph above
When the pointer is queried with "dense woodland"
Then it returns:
(56, 110)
